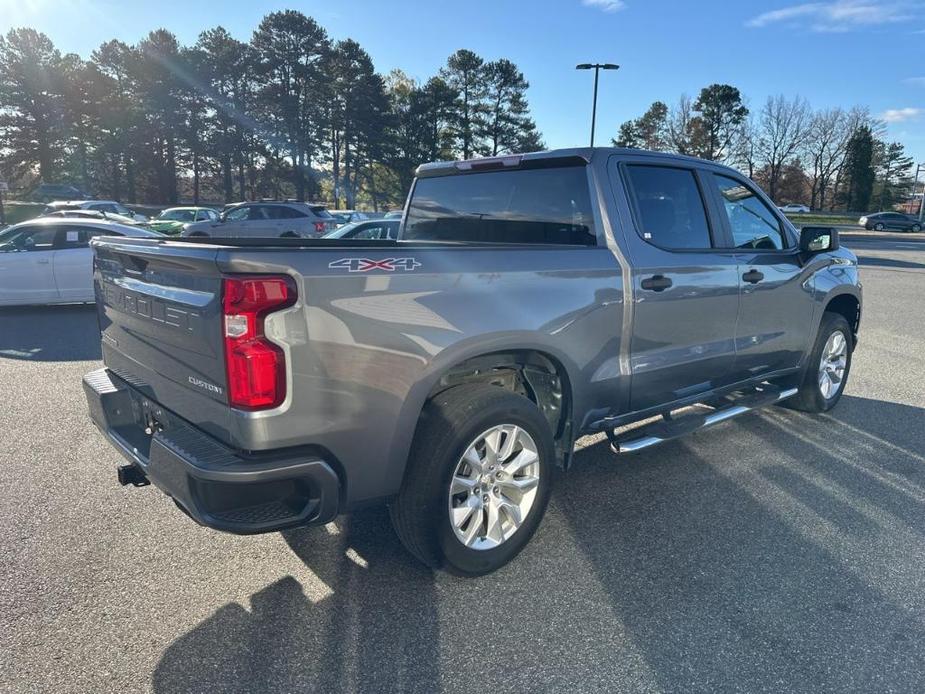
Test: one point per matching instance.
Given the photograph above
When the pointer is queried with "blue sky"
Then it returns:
(834, 53)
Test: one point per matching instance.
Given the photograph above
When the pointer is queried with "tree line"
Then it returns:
(289, 113)
(827, 159)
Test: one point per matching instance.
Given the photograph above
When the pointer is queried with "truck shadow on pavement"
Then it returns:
(769, 554)
(50, 333)
(376, 631)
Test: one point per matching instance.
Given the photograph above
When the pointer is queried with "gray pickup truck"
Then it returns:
(271, 383)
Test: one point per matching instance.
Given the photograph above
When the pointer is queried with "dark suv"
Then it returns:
(49, 192)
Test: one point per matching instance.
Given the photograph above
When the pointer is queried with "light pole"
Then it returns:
(597, 68)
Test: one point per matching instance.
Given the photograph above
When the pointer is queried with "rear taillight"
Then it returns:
(320, 227)
(255, 366)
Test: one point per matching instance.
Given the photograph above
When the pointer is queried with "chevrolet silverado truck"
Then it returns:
(529, 300)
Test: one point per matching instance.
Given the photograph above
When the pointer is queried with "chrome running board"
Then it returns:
(669, 428)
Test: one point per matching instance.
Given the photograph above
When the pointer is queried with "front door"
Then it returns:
(685, 288)
(776, 305)
(26, 266)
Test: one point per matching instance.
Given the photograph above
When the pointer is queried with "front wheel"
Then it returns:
(477, 481)
(828, 367)
(878, 227)
(916, 227)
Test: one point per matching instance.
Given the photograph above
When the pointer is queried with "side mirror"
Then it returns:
(818, 239)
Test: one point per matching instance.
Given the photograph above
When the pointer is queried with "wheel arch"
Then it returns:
(537, 371)
(847, 305)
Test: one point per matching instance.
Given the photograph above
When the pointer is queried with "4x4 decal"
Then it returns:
(367, 264)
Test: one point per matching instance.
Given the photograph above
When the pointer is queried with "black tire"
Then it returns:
(809, 398)
(878, 227)
(289, 235)
(449, 424)
(915, 228)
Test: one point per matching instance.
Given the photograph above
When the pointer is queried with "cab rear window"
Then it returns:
(534, 206)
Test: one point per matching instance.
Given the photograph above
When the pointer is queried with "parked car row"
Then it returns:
(106, 206)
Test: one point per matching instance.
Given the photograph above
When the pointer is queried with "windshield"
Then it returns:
(177, 215)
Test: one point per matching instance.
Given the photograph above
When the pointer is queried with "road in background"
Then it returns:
(776, 552)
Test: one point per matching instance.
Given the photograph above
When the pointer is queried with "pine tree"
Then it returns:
(859, 169)
(465, 74)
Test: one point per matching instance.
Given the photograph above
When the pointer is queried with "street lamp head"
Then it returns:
(610, 66)
(584, 66)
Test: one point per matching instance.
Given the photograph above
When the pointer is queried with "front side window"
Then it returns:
(537, 206)
(753, 224)
(30, 239)
(670, 209)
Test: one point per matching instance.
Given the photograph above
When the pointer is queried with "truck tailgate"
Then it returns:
(160, 314)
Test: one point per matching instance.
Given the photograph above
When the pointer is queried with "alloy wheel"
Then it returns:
(832, 365)
(494, 486)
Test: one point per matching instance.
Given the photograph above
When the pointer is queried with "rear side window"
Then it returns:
(752, 222)
(285, 213)
(541, 206)
(669, 207)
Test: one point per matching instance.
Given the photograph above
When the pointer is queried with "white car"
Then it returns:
(49, 261)
(794, 207)
(108, 206)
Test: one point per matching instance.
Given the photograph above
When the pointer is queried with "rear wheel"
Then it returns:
(878, 227)
(828, 367)
(916, 227)
(477, 481)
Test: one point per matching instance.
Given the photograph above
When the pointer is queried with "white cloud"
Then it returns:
(605, 5)
(898, 115)
(840, 15)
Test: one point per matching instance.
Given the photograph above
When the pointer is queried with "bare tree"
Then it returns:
(680, 125)
(825, 149)
(744, 150)
(782, 129)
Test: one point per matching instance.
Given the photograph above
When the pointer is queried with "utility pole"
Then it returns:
(914, 185)
(597, 67)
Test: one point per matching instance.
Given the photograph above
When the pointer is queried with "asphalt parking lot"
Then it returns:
(776, 552)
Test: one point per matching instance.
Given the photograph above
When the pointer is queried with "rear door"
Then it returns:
(73, 261)
(776, 305)
(685, 284)
(288, 221)
(247, 220)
